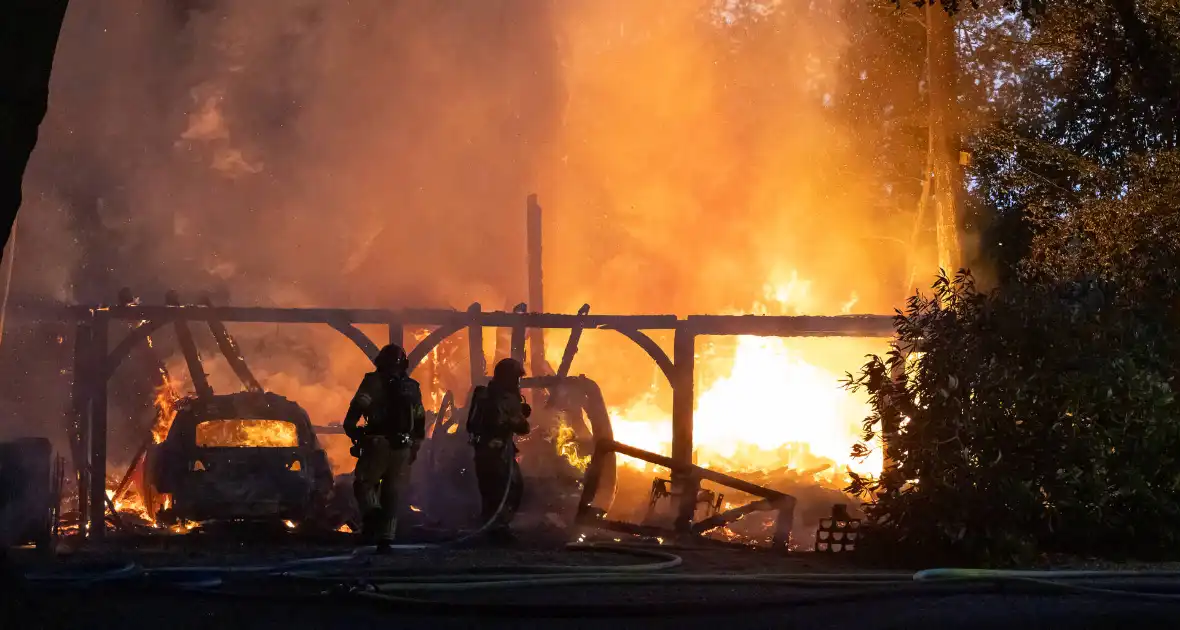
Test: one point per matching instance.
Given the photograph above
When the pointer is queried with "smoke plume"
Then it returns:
(377, 153)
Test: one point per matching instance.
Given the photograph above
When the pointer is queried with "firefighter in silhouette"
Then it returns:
(385, 446)
(497, 414)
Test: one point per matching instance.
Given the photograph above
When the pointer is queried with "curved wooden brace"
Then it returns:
(355, 335)
(652, 348)
(427, 345)
(133, 338)
(445, 413)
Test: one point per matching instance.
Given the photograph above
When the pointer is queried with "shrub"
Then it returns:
(1038, 417)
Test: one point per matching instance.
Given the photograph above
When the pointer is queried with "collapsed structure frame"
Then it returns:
(95, 360)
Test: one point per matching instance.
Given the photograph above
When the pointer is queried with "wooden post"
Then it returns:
(84, 383)
(479, 368)
(518, 333)
(98, 425)
(684, 360)
(536, 286)
(783, 520)
(397, 334)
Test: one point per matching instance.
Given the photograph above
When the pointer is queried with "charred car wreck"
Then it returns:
(243, 456)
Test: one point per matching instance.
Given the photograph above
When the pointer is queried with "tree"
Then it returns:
(1041, 415)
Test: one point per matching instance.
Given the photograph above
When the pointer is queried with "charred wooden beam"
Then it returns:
(783, 504)
(792, 325)
(479, 368)
(98, 429)
(229, 349)
(424, 317)
(703, 473)
(571, 345)
(763, 325)
(652, 349)
(188, 346)
(427, 345)
(730, 516)
(357, 336)
(684, 379)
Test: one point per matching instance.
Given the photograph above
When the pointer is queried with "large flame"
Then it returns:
(771, 409)
(763, 403)
(165, 404)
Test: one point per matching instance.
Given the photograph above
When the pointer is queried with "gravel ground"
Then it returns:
(290, 604)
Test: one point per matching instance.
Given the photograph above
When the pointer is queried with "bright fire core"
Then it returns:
(765, 403)
(773, 410)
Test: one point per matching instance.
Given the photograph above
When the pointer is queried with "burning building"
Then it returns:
(694, 157)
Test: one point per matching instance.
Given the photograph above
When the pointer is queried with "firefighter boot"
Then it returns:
(370, 526)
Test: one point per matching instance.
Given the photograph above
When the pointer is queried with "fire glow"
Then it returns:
(761, 404)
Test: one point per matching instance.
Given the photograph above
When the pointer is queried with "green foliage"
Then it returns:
(1042, 416)
(1076, 102)
(1038, 417)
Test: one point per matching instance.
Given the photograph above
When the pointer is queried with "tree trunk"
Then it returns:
(29, 30)
(943, 71)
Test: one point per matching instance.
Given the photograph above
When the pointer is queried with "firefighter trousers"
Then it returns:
(380, 482)
(496, 469)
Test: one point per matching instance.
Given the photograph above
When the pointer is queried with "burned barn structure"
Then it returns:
(97, 356)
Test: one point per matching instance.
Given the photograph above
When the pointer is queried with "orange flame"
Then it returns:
(165, 403)
(762, 405)
(247, 433)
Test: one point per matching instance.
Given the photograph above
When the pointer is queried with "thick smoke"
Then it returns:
(377, 153)
(300, 153)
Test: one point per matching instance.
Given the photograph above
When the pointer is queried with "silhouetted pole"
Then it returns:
(536, 299)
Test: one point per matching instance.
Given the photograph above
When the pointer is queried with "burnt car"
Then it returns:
(244, 456)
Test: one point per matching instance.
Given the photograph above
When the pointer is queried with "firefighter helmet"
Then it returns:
(508, 372)
(391, 358)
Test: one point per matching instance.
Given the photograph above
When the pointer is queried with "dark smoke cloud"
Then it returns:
(296, 153)
(377, 153)
(368, 153)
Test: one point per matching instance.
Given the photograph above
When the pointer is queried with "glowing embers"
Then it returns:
(247, 433)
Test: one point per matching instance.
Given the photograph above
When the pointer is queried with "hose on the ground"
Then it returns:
(663, 561)
(511, 477)
(1055, 574)
(406, 594)
(791, 597)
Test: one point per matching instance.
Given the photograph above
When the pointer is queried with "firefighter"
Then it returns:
(497, 414)
(386, 445)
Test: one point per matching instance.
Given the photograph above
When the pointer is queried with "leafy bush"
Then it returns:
(1039, 417)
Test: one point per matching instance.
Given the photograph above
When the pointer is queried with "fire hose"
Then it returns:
(403, 592)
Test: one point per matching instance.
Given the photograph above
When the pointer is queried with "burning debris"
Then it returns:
(769, 422)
